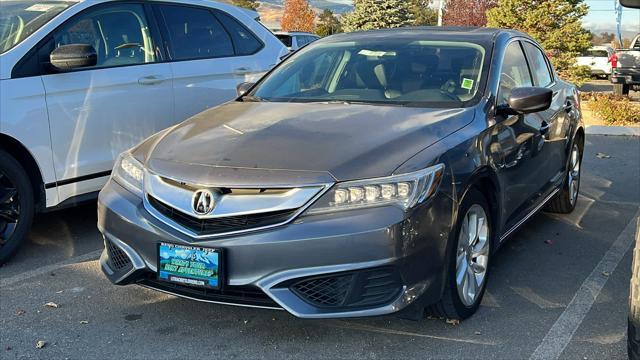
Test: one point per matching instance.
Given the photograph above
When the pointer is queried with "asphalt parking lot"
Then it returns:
(558, 288)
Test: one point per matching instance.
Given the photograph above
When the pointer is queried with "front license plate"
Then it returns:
(188, 265)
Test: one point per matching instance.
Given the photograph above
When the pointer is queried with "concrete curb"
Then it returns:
(612, 130)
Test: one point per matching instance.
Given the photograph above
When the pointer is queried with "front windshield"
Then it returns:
(19, 19)
(389, 71)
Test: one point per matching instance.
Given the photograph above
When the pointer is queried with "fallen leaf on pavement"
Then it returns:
(453, 322)
(51, 304)
(40, 344)
(603, 156)
(20, 312)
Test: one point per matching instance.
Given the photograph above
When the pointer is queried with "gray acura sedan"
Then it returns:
(369, 173)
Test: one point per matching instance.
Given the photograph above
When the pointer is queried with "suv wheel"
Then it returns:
(468, 265)
(16, 206)
(565, 201)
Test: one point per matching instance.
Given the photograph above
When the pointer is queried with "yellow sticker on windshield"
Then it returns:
(467, 84)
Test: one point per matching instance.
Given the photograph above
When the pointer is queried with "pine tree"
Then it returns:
(298, 16)
(378, 14)
(467, 12)
(328, 24)
(555, 24)
(423, 13)
(247, 4)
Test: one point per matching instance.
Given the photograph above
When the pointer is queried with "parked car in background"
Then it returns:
(80, 82)
(369, 173)
(295, 40)
(625, 75)
(598, 59)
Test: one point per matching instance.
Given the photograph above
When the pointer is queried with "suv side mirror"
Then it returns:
(73, 56)
(525, 100)
(242, 88)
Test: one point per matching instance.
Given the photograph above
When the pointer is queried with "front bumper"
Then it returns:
(400, 257)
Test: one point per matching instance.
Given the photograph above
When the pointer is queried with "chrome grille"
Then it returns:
(219, 225)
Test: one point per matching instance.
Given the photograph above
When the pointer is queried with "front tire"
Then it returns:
(468, 264)
(16, 206)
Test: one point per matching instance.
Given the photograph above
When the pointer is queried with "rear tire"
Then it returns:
(457, 304)
(16, 206)
(566, 199)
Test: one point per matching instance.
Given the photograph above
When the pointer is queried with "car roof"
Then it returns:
(294, 33)
(483, 34)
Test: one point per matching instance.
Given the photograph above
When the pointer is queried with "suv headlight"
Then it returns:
(129, 173)
(404, 191)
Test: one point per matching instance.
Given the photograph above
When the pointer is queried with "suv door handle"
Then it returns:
(150, 80)
(242, 71)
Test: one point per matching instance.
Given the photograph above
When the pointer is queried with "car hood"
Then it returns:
(268, 142)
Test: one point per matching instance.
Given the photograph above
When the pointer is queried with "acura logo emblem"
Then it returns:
(203, 202)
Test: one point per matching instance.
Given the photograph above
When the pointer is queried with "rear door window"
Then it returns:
(538, 64)
(245, 41)
(195, 33)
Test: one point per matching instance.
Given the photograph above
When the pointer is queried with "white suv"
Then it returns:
(80, 82)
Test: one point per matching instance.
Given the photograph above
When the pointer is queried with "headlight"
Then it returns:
(405, 191)
(129, 173)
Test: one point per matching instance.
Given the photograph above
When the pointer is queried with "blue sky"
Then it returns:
(602, 17)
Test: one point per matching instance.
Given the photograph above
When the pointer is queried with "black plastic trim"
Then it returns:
(77, 179)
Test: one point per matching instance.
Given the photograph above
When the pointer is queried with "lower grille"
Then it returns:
(241, 295)
(118, 259)
(223, 224)
(359, 289)
(330, 291)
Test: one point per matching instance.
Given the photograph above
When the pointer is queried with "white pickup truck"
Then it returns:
(626, 68)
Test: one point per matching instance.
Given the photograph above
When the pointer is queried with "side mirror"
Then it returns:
(525, 100)
(243, 88)
(73, 56)
(635, 4)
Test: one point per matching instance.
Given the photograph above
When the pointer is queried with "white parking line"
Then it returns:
(369, 328)
(566, 325)
(4, 282)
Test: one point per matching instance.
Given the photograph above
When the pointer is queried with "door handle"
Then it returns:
(150, 80)
(242, 71)
(544, 129)
(568, 107)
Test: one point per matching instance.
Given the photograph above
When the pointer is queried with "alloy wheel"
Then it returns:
(574, 174)
(472, 255)
(9, 208)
